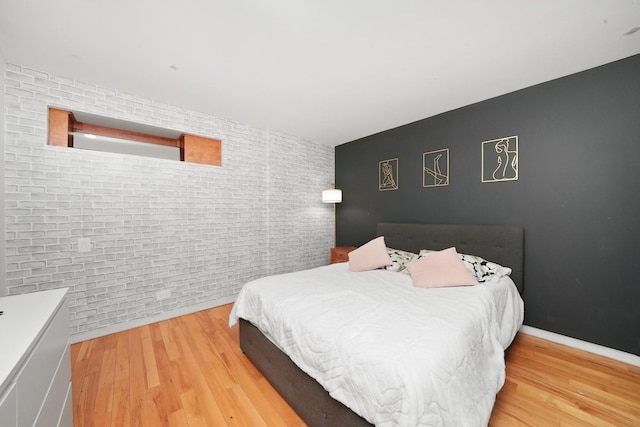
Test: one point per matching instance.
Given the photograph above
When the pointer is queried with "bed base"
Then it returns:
(501, 244)
(306, 396)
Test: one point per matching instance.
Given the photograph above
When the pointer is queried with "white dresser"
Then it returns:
(35, 363)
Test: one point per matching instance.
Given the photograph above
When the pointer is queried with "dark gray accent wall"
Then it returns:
(577, 196)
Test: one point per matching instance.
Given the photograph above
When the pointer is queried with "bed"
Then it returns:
(299, 382)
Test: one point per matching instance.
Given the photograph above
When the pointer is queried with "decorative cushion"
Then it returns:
(440, 269)
(398, 259)
(482, 269)
(369, 256)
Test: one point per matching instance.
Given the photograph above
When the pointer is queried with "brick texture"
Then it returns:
(198, 231)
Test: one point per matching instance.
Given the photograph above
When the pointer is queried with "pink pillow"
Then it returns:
(369, 256)
(440, 269)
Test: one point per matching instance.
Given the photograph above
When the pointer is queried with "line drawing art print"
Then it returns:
(435, 168)
(388, 175)
(500, 159)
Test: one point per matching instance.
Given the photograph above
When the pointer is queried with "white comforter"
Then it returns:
(395, 354)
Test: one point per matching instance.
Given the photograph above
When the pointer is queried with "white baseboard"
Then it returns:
(84, 336)
(611, 353)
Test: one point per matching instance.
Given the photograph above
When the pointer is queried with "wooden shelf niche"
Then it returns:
(90, 132)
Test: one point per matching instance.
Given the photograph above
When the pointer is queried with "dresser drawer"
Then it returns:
(39, 370)
(54, 403)
(35, 370)
(66, 417)
(9, 406)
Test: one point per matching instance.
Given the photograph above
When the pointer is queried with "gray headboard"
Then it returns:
(502, 244)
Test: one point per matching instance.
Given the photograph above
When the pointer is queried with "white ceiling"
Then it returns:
(330, 71)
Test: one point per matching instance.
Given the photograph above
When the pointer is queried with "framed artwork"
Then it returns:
(500, 159)
(435, 168)
(388, 175)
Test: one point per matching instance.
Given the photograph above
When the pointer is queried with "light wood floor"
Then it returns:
(189, 371)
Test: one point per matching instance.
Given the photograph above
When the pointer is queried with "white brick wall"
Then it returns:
(199, 231)
(3, 284)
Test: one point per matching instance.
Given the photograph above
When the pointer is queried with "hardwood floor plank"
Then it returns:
(105, 389)
(88, 390)
(204, 346)
(590, 399)
(246, 375)
(521, 406)
(178, 418)
(179, 375)
(190, 372)
(168, 341)
(169, 400)
(137, 381)
(506, 419)
(203, 402)
(280, 413)
(121, 414)
(79, 365)
(215, 374)
(602, 374)
(246, 408)
(148, 356)
(194, 415)
(559, 406)
(86, 402)
(621, 404)
(577, 387)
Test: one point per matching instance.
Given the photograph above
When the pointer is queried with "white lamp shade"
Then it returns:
(332, 196)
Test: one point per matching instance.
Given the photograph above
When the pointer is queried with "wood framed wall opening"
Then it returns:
(90, 133)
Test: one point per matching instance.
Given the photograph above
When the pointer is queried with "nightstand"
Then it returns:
(340, 254)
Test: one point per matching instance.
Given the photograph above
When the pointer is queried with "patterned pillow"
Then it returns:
(482, 269)
(398, 259)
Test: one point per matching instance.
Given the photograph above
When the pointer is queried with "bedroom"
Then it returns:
(266, 195)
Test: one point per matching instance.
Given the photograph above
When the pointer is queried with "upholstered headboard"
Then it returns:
(502, 244)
